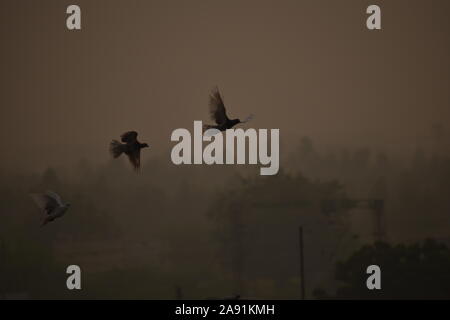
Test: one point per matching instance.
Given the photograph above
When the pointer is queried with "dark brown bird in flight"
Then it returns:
(131, 147)
(219, 114)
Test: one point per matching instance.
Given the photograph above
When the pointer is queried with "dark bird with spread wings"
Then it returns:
(51, 205)
(131, 147)
(219, 113)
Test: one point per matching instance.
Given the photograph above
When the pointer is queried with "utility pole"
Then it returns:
(238, 249)
(2, 269)
(178, 293)
(302, 265)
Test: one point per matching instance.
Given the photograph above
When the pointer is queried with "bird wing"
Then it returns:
(217, 108)
(129, 136)
(135, 159)
(45, 202)
(55, 196)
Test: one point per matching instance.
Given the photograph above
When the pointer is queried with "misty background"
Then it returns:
(362, 115)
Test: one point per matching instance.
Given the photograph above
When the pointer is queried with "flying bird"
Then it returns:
(131, 147)
(51, 204)
(218, 113)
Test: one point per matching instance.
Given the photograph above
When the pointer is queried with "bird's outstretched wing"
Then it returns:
(45, 202)
(129, 136)
(217, 107)
(135, 159)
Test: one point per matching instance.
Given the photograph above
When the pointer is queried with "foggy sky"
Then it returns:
(305, 67)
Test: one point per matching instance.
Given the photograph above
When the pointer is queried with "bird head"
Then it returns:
(145, 145)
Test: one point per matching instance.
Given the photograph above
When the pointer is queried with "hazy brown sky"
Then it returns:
(306, 67)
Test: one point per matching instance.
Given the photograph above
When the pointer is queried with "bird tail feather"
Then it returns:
(115, 148)
(208, 132)
(207, 126)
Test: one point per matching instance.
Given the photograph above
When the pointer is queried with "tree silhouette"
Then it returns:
(416, 271)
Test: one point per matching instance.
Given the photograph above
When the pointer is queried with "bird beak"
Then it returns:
(250, 117)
